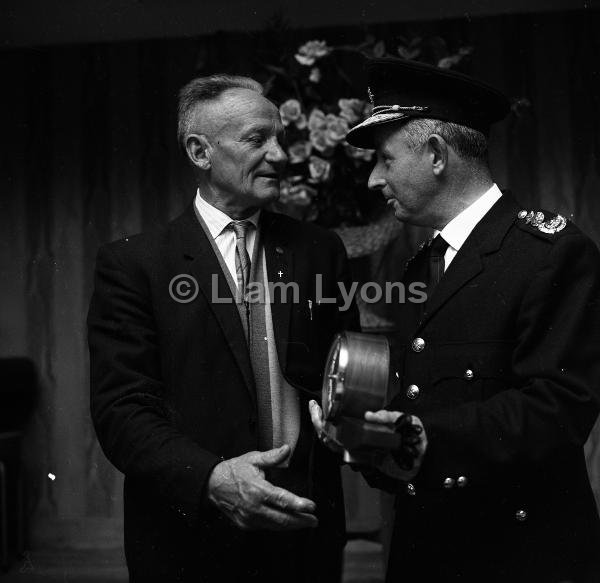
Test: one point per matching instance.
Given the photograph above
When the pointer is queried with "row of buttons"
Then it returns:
(412, 391)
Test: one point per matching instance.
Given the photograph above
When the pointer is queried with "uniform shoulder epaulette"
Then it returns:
(539, 222)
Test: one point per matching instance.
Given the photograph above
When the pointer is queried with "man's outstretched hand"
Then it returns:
(237, 487)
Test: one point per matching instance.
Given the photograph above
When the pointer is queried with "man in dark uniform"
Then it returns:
(501, 365)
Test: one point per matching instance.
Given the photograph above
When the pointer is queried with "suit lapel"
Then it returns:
(485, 238)
(207, 271)
(280, 269)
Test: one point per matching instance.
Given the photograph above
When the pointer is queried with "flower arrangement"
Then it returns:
(326, 181)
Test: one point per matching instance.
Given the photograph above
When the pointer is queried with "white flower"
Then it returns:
(316, 120)
(309, 52)
(351, 109)
(315, 75)
(299, 151)
(319, 169)
(290, 111)
(301, 122)
(337, 128)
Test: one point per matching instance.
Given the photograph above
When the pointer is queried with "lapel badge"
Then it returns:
(279, 250)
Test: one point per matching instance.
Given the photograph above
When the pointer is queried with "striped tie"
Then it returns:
(242, 259)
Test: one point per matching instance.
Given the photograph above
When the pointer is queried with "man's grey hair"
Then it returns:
(466, 142)
(205, 89)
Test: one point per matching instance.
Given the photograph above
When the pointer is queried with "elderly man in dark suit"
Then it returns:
(206, 340)
(500, 366)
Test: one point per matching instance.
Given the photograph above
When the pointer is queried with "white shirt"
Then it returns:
(217, 221)
(285, 402)
(455, 233)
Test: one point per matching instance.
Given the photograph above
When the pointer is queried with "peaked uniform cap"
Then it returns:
(400, 90)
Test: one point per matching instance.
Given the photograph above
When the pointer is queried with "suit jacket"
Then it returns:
(172, 389)
(507, 371)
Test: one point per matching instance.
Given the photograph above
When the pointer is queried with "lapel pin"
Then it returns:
(280, 274)
(279, 250)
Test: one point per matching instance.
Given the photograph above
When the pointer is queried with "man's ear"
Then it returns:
(199, 150)
(437, 148)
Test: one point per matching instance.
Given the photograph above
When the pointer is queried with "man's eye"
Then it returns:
(256, 139)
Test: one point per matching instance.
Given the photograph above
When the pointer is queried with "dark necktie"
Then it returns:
(435, 254)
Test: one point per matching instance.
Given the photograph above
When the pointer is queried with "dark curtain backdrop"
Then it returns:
(89, 155)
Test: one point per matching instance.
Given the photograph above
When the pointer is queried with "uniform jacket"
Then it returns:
(172, 390)
(503, 369)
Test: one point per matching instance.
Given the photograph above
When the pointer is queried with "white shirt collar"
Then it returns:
(215, 219)
(460, 227)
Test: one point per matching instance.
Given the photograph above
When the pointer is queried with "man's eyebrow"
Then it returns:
(256, 127)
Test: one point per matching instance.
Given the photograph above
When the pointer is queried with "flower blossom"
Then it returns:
(309, 52)
(316, 120)
(291, 112)
(299, 151)
(319, 169)
(337, 128)
(351, 109)
(320, 142)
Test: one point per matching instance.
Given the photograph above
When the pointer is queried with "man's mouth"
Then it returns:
(269, 175)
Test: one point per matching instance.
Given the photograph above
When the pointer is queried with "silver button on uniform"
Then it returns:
(521, 515)
(448, 483)
(469, 374)
(418, 344)
(412, 392)
(462, 481)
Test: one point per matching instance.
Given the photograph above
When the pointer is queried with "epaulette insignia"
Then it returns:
(537, 220)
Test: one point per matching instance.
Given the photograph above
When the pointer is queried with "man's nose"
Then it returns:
(375, 181)
(276, 154)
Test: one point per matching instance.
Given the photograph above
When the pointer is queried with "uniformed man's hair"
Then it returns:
(205, 89)
(466, 142)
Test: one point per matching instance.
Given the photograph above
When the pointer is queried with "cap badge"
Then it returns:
(371, 96)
